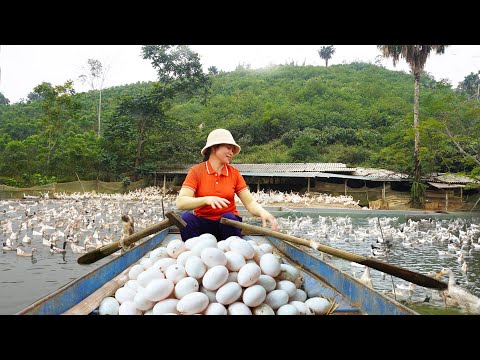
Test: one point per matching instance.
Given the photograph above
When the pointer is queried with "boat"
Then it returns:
(83, 295)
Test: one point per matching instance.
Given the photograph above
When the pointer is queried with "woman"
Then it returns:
(210, 187)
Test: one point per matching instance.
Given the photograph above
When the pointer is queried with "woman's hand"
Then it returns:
(216, 202)
(273, 221)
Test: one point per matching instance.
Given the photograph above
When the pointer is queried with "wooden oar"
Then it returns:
(100, 253)
(412, 276)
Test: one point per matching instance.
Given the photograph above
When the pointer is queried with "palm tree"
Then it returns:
(326, 53)
(416, 57)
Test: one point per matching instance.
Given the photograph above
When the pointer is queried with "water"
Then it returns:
(356, 233)
(24, 280)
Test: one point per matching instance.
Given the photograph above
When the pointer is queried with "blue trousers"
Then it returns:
(197, 226)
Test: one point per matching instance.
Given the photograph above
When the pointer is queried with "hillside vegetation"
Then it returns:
(359, 114)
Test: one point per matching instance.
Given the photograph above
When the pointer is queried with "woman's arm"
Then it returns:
(257, 210)
(187, 201)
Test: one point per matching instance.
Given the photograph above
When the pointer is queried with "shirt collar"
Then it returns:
(210, 170)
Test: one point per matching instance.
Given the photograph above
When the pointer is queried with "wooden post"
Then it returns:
(164, 184)
(446, 200)
(461, 194)
(155, 178)
(383, 192)
(308, 185)
(258, 186)
(366, 189)
(346, 187)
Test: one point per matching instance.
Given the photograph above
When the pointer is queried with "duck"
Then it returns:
(366, 278)
(463, 297)
(8, 247)
(56, 250)
(21, 252)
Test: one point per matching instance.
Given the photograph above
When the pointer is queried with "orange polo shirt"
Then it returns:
(204, 181)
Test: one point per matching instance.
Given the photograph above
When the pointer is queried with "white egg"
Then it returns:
(238, 308)
(287, 309)
(175, 248)
(270, 265)
(211, 294)
(223, 245)
(318, 305)
(254, 295)
(141, 302)
(208, 236)
(267, 248)
(234, 260)
(190, 243)
(109, 306)
(249, 274)
(133, 284)
(276, 298)
(165, 306)
(186, 286)
(288, 272)
(215, 309)
(299, 295)
(175, 272)
(158, 289)
(128, 308)
(242, 247)
(288, 286)
(164, 263)
(192, 303)
(263, 309)
(228, 293)
(302, 308)
(124, 294)
(258, 253)
(195, 267)
(213, 257)
(267, 282)
(146, 262)
(215, 277)
(149, 312)
(232, 276)
(158, 253)
(136, 270)
(148, 275)
(203, 243)
(182, 258)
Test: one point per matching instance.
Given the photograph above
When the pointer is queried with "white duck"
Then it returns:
(465, 299)
(21, 252)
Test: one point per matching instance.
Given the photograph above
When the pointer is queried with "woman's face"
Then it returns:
(224, 153)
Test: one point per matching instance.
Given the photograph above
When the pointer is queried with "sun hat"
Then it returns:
(220, 136)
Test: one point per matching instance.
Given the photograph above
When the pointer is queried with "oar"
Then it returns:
(412, 276)
(100, 253)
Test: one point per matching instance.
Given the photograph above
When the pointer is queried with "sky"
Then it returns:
(23, 67)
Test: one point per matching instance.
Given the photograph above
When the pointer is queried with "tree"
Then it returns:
(326, 53)
(416, 57)
(96, 76)
(179, 70)
(213, 70)
(471, 85)
(3, 100)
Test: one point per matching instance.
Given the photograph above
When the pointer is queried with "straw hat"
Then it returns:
(220, 136)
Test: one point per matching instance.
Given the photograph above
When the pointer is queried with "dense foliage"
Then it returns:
(359, 114)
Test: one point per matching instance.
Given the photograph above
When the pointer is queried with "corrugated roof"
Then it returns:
(451, 179)
(446, 186)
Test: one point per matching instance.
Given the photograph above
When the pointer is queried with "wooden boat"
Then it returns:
(83, 295)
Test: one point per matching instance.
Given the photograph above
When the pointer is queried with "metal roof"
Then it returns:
(450, 179)
(445, 186)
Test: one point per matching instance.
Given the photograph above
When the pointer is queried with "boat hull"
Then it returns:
(320, 279)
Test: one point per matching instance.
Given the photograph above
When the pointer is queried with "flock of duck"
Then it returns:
(86, 221)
